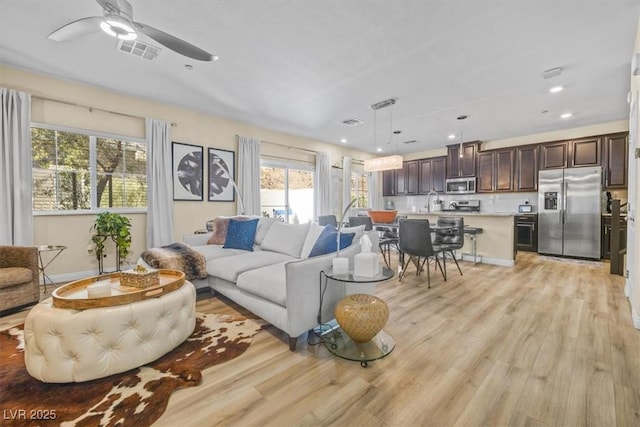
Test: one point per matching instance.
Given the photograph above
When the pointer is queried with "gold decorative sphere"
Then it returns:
(362, 316)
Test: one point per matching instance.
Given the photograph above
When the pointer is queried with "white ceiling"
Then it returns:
(302, 67)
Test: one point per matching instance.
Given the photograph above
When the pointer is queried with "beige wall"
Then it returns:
(191, 127)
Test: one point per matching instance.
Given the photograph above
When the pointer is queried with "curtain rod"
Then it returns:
(90, 108)
(287, 159)
(287, 146)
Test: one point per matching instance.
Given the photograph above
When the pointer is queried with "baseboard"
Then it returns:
(635, 318)
(487, 260)
(78, 275)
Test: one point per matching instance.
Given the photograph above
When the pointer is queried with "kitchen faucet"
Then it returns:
(429, 199)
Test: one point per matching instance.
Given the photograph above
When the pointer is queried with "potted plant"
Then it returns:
(115, 226)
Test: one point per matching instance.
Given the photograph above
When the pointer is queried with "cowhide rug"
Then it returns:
(133, 398)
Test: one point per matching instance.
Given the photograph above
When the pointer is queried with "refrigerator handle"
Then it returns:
(566, 203)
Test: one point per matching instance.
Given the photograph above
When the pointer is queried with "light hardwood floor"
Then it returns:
(542, 343)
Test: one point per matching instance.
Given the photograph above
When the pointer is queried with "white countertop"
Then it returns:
(460, 213)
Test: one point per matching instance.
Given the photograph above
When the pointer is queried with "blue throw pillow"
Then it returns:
(326, 242)
(241, 234)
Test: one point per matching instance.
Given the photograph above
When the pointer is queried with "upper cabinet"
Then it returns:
(526, 176)
(496, 170)
(389, 183)
(585, 151)
(432, 175)
(465, 165)
(616, 152)
(554, 155)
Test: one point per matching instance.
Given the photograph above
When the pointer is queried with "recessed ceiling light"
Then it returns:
(215, 57)
(452, 136)
(188, 66)
(379, 150)
(343, 140)
(566, 115)
(556, 89)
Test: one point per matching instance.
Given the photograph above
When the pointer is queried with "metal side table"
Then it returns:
(338, 342)
(57, 249)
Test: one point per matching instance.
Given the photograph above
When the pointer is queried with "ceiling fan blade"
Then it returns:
(174, 43)
(78, 28)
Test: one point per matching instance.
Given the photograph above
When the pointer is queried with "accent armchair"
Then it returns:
(19, 281)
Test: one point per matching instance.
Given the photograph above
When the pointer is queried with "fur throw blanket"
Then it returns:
(177, 256)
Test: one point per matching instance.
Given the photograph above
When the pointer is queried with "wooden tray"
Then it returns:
(74, 295)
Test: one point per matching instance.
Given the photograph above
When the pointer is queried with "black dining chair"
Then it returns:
(449, 239)
(414, 240)
(355, 221)
(328, 220)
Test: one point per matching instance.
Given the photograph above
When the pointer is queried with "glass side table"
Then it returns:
(57, 249)
(337, 341)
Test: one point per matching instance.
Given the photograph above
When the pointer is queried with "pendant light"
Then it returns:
(461, 118)
(388, 162)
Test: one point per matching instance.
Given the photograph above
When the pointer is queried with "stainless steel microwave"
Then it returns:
(461, 185)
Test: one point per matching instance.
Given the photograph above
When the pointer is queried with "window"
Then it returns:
(286, 192)
(360, 189)
(77, 171)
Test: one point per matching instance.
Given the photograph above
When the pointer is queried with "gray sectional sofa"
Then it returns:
(278, 281)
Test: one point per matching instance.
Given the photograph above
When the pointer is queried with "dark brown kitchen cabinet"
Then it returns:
(526, 173)
(465, 165)
(616, 152)
(554, 155)
(585, 152)
(504, 161)
(432, 175)
(485, 172)
(407, 178)
(389, 183)
(495, 170)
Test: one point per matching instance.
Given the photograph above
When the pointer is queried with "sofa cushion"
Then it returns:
(358, 230)
(264, 224)
(11, 276)
(286, 238)
(240, 234)
(221, 227)
(216, 251)
(310, 240)
(229, 268)
(268, 282)
(327, 241)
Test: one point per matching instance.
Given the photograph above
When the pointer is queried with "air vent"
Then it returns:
(411, 141)
(138, 48)
(352, 122)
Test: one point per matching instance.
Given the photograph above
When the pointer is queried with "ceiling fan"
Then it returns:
(118, 22)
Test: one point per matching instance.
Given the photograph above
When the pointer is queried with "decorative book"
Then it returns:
(139, 277)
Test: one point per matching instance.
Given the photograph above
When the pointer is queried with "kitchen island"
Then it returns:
(496, 244)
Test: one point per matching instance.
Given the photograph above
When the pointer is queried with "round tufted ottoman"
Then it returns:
(63, 345)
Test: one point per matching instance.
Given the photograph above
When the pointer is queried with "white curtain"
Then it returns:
(248, 176)
(159, 184)
(373, 183)
(346, 182)
(16, 211)
(322, 193)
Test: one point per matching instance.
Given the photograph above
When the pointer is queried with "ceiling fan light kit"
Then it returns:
(118, 22)
(115, 28)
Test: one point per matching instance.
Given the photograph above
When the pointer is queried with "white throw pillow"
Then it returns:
(264, 224)
(358, 229)
(285, 238)
(312, 236)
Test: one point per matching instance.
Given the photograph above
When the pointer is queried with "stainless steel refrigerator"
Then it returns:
(569, 212)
